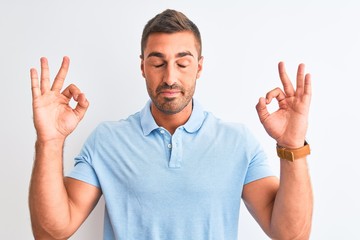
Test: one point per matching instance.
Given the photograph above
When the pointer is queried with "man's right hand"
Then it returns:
(54, 118)
(57, 205)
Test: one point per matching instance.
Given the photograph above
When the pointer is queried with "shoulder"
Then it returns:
(236, 133)
(130, 121)
(220, 125)
(109, 129)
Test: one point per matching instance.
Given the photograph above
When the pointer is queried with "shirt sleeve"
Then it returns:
(259, 166)
(83, 168)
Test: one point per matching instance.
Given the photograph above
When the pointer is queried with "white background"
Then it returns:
(242, 42)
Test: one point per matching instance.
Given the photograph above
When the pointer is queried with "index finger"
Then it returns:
(61, 75)
(285, 80)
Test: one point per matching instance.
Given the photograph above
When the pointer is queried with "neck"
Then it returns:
(171, 121)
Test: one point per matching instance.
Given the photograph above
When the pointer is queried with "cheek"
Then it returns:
(152, 73)
(190, 77)
(192, 71)
(152, 82)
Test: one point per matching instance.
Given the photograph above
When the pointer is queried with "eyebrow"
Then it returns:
(183, 54)
(178, 55)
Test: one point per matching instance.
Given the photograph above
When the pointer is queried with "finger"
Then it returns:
(61, 75)
(45, 75)
(35, 88)
(261, 109)
(275, 93)
(81, 106)
(285, 80)
(300, 79)
(71, 91)
(307, 85)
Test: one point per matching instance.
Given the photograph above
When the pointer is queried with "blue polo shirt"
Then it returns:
(159, 186)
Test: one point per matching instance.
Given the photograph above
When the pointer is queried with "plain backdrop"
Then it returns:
(243, 41)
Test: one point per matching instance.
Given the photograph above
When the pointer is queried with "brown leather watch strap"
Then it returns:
(293, 154)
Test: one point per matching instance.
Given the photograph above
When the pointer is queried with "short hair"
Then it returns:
(170, 21)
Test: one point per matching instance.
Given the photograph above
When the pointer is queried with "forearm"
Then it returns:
(293, 206)
(48, 199)
(41, 234)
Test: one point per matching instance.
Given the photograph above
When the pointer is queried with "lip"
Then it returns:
(170, 93)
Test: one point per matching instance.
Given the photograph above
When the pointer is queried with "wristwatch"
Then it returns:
(293, 154)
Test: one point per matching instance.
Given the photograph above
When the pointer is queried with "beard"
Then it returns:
(171, 105)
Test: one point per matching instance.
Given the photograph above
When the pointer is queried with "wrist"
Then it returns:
(292, 154)
(53, 143)
(48, 151)
(291, 144)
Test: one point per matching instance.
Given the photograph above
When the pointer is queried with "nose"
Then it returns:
(170, 75)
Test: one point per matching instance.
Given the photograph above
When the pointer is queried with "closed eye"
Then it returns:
(184, 62)
(159, 65)
(182, 66)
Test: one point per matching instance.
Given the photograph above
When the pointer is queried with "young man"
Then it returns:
(171, 170)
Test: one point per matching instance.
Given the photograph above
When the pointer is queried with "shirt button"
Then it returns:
(162, 131)
(169, 145)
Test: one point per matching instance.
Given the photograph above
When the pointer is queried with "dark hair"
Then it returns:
(170, 21)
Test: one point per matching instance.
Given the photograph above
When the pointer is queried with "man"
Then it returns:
(171, 170)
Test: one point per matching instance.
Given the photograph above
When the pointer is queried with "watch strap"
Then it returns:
(293, 154)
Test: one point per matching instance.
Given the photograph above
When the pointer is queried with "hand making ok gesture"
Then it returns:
(54, 118)
(288, 125)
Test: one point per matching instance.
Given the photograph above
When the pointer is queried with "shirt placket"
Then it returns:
(173, 146)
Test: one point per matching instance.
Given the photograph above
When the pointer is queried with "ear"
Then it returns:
(142, 66)
(200, 67)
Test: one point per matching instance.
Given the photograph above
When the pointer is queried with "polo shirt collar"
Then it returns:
(196, 119)
(194, 123)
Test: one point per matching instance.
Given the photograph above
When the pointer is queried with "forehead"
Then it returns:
(171, 43)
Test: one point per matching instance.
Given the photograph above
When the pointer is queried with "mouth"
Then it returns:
(170, 93)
